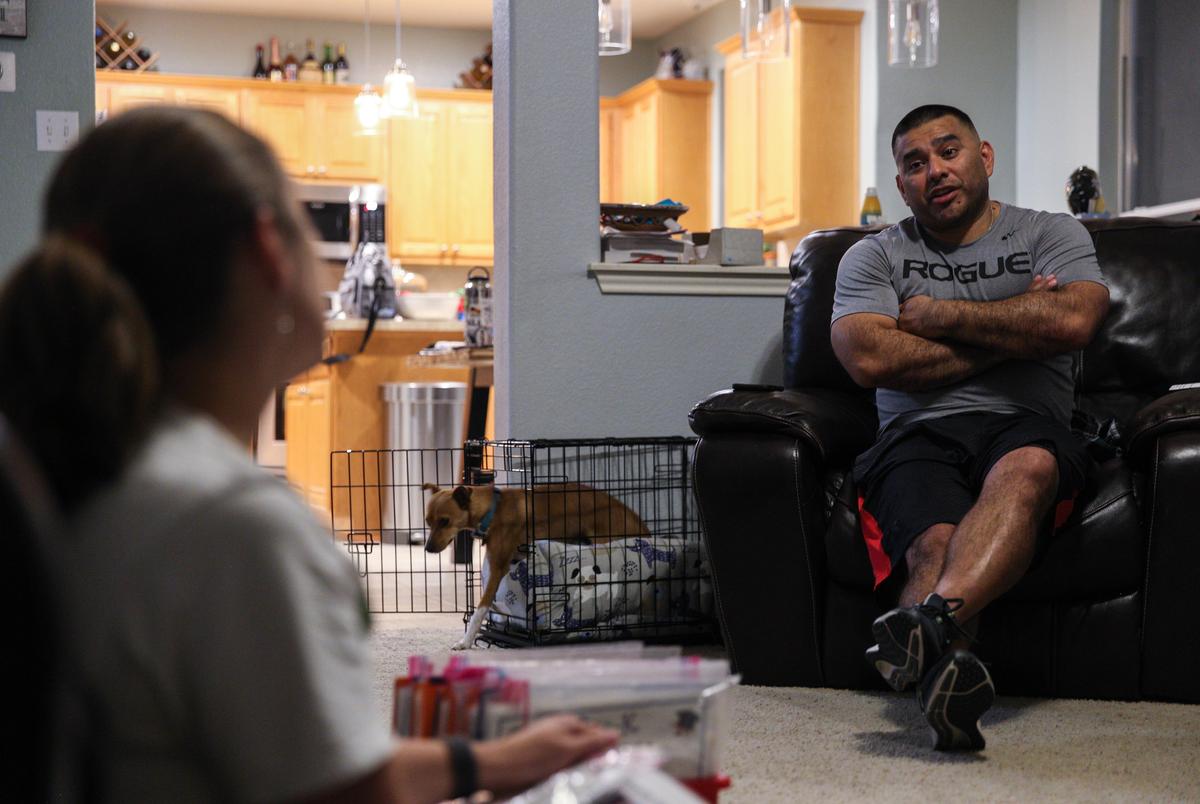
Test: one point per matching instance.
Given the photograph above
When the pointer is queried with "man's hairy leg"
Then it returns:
(994, 544)
(926, 558)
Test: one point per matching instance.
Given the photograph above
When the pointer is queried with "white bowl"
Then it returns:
(428, 306)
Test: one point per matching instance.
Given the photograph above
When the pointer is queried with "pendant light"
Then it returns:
(399, 86)
(615, 27)
(368, 104)
(912, 33)
(766, 29)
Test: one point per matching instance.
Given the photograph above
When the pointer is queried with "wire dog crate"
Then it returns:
(607, 545)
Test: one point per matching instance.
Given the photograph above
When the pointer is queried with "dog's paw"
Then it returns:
(460, 645)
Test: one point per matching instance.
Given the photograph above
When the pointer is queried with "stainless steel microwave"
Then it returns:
(344, 215)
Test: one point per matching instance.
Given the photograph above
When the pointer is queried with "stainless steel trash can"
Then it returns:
(425, 436)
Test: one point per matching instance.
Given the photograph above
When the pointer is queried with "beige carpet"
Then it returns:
(797, 744)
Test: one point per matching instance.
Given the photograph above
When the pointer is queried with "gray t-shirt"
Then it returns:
(882, 270)
(217, 630)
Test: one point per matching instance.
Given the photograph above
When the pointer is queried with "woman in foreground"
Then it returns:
(218, 637)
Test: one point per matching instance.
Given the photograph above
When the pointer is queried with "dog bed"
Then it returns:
(557, 586)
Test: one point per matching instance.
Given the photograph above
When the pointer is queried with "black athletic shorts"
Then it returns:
(930, 472)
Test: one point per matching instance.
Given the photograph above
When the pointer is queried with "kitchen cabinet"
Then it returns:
(339, 407)
(791, 129)
(315, 133)
(659, 144)
(117, 92)
(440, 180)
(609, 113)
(307, 433)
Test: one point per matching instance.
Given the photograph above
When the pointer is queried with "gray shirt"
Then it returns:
(218, 631)
(882, 270)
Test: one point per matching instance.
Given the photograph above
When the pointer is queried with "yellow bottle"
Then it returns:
(872, 213)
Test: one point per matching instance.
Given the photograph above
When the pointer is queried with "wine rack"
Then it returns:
(116, 47)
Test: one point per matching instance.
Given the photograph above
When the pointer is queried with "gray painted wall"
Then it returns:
(54, 67)
(976, 71)
(223, 44)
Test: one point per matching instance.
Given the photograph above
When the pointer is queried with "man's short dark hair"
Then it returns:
(923, 114)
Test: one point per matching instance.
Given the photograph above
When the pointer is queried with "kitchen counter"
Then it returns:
(394, 325)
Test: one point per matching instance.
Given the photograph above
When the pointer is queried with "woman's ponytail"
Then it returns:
(79, 376)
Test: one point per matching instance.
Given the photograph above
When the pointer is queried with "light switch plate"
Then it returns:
(56, 131)
(8, 72)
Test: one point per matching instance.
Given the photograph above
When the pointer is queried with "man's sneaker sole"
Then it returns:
(900, 651)
(957, 691)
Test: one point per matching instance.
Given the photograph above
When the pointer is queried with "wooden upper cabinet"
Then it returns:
(791, 129)
(741, 144)
(339, 149)
(440, 180)
(123, 97)
(281, 118)
(315, 133)
(416, 185)
(120, 92)
(469, 202)
(222, 101)
(659, 146)
(609, 112)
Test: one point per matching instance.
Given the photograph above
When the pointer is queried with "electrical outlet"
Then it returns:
(8, 72)
(56, 131)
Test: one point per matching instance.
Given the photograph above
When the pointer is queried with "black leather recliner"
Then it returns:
(1106, 610)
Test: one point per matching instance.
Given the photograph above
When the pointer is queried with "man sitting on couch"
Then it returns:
(964, 317)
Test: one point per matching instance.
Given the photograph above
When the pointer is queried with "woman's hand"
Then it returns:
(508, 765)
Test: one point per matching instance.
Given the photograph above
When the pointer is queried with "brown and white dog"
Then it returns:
(561, 511)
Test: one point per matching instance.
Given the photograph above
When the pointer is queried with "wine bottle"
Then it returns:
(310, 68)
(327, 74)
(260, 69)
(291, 66)
(130, 38)
(275, 68)
(341, 67)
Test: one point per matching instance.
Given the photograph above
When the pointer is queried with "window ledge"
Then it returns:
(690, 280)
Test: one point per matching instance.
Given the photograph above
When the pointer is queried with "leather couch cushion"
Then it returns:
(808, 358)
(836, 424)
(1099, 553)
(1148, 342)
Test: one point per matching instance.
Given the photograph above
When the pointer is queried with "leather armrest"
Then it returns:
(838, 425)
(1173, 412)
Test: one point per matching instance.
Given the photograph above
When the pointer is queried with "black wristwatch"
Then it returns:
(463, 767)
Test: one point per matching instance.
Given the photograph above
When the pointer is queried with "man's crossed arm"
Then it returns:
(935, 343)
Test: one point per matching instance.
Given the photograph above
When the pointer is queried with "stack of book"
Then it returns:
(643, 247)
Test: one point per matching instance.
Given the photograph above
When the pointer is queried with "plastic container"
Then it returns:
(428, 306)
(424, 439)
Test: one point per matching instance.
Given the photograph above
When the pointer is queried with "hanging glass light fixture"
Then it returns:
(368, 104)
(615, 27)
(399, 85)
(912, 33)
(766, 29)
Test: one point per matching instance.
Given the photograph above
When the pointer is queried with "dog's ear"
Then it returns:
(430, 487)
(462, 496)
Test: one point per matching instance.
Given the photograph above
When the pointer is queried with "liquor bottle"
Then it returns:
(291, 66)
(872, 213)
(275, 68)
(341, 67)
(327, 74)
(310, 68)
(260, 69)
